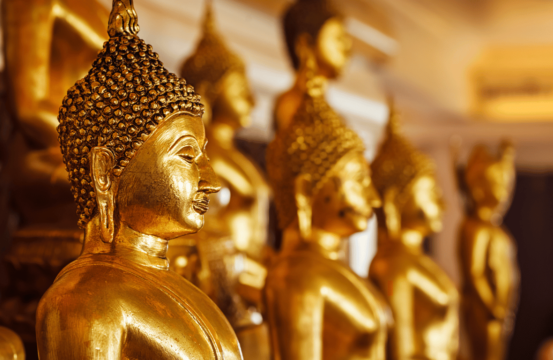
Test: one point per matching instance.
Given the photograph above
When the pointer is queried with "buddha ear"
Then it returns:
(303, 192)
(103, 161)
(391, 212)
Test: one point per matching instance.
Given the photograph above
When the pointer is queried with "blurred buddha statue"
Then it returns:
(233, 244)
(133, 141)
(424, 301)
(317, 307)
(48, 45)
(488, 253)
(11, 346)
(545, 352)
(318, 46)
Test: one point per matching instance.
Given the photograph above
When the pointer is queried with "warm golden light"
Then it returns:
(146, 182)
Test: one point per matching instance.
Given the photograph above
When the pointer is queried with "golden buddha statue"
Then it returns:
(488, 253)
(134, 144)
(47, 46)
(11, 346)
(317, 307)
(424, 301)
(318, 46)
(232, 245)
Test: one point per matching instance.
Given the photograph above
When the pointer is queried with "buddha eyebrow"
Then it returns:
(180, 139)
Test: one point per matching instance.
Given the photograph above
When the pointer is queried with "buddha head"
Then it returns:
(319, 175)
(219, 76)
(406, 181)
(489, 179)
(315, 30)
(133, 140)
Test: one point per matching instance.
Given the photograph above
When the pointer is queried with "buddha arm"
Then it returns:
(408, 331)
(504, 271)
(296, 320)
(400, 296)
(249, 202)
(237, 182)
(478, 265)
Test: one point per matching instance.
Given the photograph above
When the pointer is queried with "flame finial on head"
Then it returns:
(393, 126)
(209, 21)
(212, 59)
(123, 19)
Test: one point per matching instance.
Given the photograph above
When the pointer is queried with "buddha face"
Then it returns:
(164, 190)
(424, 208)
(333, 48)
(493, 186)
(235, 102)
(345, 203)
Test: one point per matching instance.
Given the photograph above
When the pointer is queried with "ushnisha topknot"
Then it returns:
(212, 59)
(398, 162)
(312, 144)
(125, 96)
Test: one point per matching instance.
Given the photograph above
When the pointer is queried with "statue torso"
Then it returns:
(351, 312)
(116, 309)
(499, 256)
(286, 107)
(424, 302)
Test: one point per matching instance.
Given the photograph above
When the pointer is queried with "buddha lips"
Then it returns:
(201, 203)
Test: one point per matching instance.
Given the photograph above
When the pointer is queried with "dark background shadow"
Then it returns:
(530, 220)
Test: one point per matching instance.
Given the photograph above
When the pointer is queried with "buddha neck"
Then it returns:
(302, 77)
(221, 132)
(322, 242)
(147, 250)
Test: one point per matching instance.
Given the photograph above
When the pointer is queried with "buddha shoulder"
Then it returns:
(89, 293)
(286, 106)
(392, 264)
(107, 300)
(475, 231)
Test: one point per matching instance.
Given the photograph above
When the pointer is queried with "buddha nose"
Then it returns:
(209, 181)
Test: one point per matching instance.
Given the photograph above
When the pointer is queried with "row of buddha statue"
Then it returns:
(144, 154)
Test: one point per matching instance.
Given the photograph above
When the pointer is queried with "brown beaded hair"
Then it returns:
(121, 101)
(313, 143)
(398, 163)
(211, 61)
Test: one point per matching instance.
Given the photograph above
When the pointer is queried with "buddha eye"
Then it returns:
(188, 153)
